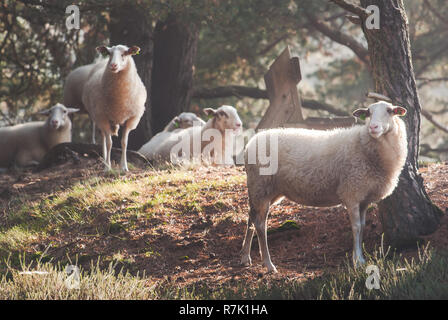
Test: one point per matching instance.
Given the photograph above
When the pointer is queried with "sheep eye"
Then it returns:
(223, 114)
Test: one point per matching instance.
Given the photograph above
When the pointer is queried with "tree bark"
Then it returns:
(175, 46)
(130, 26)
(408, 213)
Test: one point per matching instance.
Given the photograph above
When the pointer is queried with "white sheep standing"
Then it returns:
(114, 96)
(352, 166)
(209, 141)
(184, 120)
(26, 144)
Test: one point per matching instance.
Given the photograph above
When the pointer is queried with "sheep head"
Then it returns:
(380, 117)
(226, 118)
(58, 115)
(118, 56)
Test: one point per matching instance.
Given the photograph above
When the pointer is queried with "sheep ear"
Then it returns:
(103, 50)
(361, 113)
(209, 111)
(176, 122)
(45, 112)
(133, 50)
(72, 110)
(399, 111)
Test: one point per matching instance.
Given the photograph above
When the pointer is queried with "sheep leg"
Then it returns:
(103, 135)
(259, 220)
(93, 132)
(247, 243)
(355, 220)
(107, 148)
(124, 147)
(362, 215)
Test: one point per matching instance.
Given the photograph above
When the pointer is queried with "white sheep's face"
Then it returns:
(379, 117)
(58, 115)
(226, 119)
(118, 56)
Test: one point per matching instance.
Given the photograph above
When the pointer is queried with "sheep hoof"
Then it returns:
(246, 261)
(359, 262)
(272, 269)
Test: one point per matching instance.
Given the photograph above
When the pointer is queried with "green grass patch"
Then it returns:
(285, 226)
(104, 206)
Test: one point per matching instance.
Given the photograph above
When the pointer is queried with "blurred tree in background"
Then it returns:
(193, 48)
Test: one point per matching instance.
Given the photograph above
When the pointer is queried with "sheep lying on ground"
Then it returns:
(73, 90)
(114, 95)
(353, 166)
(183, 121)
(212, 142)
(26, 144)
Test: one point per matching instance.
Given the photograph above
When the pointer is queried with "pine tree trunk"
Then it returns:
(175, 44)
(408, 213)
(130, 26)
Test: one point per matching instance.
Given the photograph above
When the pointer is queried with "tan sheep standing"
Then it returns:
(26, 144)
(115, 96)
(353, 166)
(73, 90)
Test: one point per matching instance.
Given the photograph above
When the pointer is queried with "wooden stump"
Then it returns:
(285, 108)
(281, 84)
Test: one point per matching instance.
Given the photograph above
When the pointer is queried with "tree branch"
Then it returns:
(435, 12)
(428, 115)
(351, 7)
(60, 7)
(425, 81)
(257, 93)
(336, 16)
(425, 149)
(229, 91)
(360, 51)
(322, 106)
(273, 44)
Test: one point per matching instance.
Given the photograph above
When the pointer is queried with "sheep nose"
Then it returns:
(238, 125)
(373, 126)
(113, 65)
(54, 123)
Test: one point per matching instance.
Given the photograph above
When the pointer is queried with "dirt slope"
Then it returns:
(185, 241)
